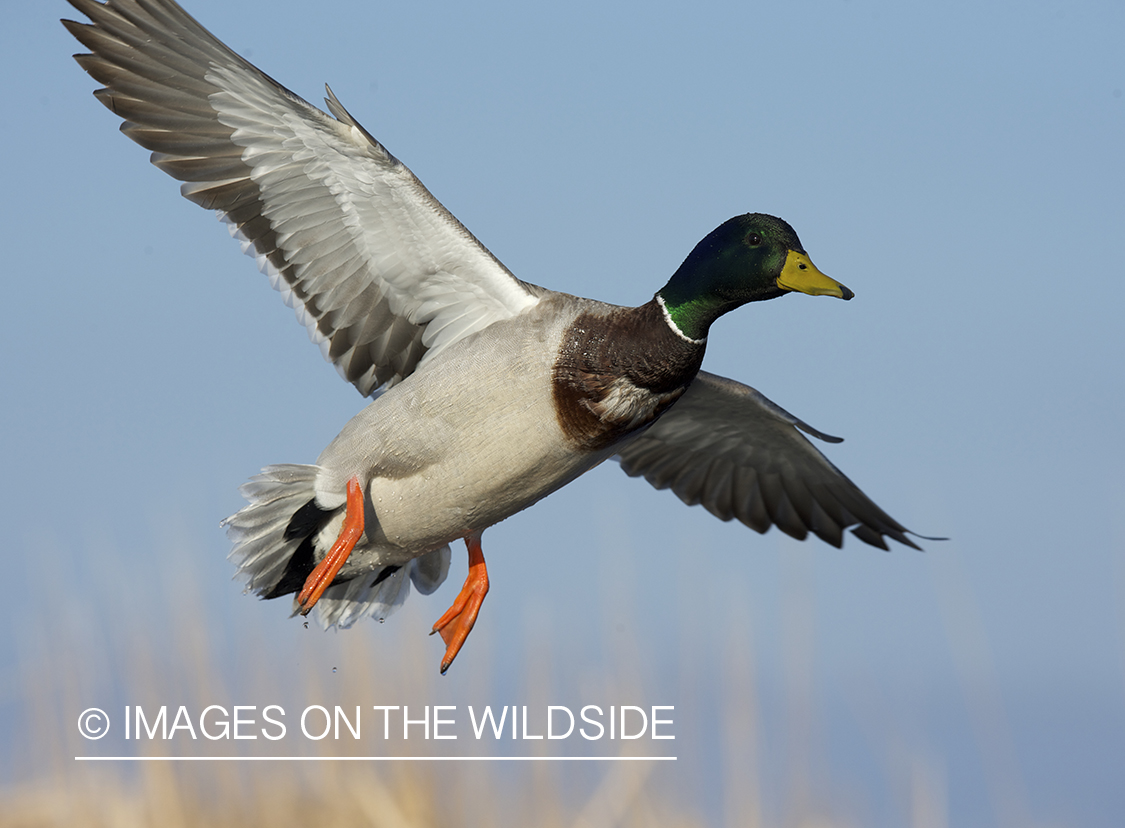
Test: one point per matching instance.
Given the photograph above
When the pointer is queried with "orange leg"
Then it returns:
(458, 620)
(325, 572)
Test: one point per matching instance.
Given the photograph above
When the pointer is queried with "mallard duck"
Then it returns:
(489, 393)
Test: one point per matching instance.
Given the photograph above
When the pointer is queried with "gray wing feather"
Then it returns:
(377, 269)
(726, 446)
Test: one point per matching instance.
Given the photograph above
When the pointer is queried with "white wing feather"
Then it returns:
(381, 274)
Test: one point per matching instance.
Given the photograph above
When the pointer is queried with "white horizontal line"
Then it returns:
(375, 758)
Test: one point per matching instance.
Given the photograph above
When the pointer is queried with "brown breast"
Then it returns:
(619, 371)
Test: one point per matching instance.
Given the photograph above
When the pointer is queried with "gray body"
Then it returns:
(460, 444)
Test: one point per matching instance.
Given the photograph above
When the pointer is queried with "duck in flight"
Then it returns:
(489, 393)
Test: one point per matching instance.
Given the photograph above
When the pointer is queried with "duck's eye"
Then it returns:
(753, 240)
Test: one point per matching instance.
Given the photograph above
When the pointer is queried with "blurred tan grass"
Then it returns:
(166, 652)
(61, 674)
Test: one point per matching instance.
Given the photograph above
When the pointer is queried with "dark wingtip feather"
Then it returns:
(870, 536)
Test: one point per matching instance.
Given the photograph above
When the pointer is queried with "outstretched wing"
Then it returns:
(376, 268)
(723, 444)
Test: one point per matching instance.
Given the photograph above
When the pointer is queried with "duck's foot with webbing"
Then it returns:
(458, 620)
(325, 572)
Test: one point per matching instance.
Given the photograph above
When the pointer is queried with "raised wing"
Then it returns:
(379, 272)
(726, 446)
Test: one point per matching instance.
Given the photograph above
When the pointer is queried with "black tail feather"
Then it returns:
(305, 523)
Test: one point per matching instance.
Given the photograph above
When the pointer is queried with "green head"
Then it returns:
(745, 259)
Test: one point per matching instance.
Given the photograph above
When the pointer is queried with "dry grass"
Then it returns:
(183, 660)
(166, 653)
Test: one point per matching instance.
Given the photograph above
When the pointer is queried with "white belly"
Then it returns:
(457, 446)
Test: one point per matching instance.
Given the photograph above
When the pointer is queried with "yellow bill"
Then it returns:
(799, 273)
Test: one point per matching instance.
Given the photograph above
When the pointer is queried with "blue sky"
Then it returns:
(960, 167)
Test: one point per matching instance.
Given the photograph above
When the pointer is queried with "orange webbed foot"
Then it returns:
(325, 572)
(459, 619)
